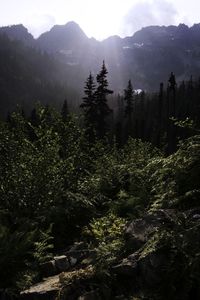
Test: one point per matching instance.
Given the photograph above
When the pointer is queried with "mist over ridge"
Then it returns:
(147, 57)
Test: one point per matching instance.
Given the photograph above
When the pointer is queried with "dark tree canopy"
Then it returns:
(95, 106)
(129, 98)
(172, 81)
(128, 110)
(89, 107)
(65, 111)
(102, 107)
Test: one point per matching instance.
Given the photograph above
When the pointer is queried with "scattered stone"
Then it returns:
(48, 269)
(62, 263)
(45, 290)
(151, 243)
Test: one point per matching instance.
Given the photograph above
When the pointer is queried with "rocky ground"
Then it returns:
(157, 249)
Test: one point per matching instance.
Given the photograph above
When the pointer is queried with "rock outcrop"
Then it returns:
(46, 290)
(162, 243)
(157, 248)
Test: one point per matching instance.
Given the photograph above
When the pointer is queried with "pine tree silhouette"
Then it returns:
(65, 111)
(89, 108)
(102, 107)
(129, 100)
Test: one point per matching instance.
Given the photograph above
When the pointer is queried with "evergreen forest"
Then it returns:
(112, 184)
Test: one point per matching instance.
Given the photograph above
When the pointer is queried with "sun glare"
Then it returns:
(98, 19)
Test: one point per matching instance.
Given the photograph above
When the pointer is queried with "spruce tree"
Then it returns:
(129, 105)
(65, 111)
(102, 108)
(129, 98)
(89, 107)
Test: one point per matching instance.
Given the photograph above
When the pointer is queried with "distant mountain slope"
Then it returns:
(28, 76)
(18, 32)
(147, 57)
(66, 37)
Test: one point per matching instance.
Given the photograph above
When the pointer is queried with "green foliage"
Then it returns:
(43, 246)
(52, 177)
(38, 186)
(175, 179)
(20, 253)
(178, 250)
(106, 234)
(118, 179)
(187, 123)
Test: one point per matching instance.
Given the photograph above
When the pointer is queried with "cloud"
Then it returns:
(146, 13)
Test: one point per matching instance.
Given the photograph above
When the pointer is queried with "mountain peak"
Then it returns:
(15, 27)
(72, 24)
(63, 37)
(183, 26)
(18, 32)
(71, 28)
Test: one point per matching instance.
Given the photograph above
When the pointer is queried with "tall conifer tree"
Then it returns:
(102, 107)
(65, 111)
(129, 106)
(89, 107)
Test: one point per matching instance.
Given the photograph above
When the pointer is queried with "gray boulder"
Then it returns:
(46, 290)
(138, 232)
(48, 268)
(149, 257)
(59, 264)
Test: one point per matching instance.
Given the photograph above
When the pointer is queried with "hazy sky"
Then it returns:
(98, 18)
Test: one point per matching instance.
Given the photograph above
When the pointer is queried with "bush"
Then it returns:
(106, 235)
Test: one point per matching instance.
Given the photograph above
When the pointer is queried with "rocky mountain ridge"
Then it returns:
(146, 58)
